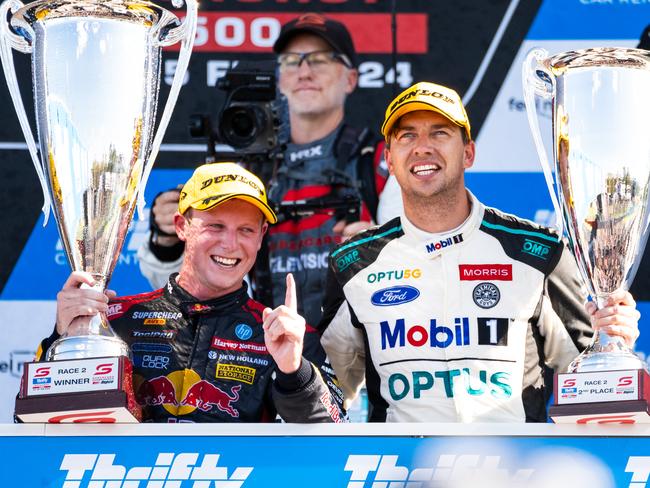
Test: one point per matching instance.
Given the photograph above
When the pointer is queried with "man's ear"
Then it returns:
(388, 159)
(352, 79)
(181, 223)
(469, 154)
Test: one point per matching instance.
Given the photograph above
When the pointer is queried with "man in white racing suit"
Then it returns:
(451, 311)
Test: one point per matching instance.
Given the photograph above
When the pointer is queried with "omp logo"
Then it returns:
(346, 260)
(451, 469)
(178, 470)
(639, 466)
(536, 249)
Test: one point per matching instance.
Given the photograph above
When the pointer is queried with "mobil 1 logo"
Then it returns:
(492, 331)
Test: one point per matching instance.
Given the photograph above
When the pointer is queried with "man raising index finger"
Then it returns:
(284, 330)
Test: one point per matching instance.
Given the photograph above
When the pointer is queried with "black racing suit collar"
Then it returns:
(190, 305)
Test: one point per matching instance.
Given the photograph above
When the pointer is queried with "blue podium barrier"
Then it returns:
(350, 455)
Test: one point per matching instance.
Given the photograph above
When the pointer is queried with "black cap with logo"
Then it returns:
(331, 31)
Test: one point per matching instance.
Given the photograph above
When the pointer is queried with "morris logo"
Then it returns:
(395, 295)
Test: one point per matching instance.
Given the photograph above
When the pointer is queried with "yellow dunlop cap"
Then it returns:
(216, 183)
(426, 96)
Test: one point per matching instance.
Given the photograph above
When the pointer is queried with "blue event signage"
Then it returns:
(43, 267)
(513, 458)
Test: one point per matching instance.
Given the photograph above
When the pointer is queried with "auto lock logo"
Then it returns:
(436, 246)
(370, 470)
(536, 249)
(182, 470)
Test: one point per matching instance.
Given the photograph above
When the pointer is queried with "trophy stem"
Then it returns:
(90, 336)
(606, 353)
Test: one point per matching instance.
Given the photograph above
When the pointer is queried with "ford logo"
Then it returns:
(394, 295)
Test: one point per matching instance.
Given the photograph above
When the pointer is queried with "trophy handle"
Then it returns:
(9, 41)
(537, 81)
(186, 32)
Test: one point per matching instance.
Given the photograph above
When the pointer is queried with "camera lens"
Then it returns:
(240, 125)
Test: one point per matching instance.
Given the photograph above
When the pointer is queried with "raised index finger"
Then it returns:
(290, 299)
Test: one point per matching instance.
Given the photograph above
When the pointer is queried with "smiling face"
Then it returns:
(428, 157)
(315, 91)
(221, 246)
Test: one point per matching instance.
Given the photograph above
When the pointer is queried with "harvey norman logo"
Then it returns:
(182, 470)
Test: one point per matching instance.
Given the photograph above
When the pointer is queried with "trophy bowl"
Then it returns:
(601, 171)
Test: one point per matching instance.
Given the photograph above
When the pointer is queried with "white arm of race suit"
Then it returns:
(343, 344)
(390, 201)
(153, 269)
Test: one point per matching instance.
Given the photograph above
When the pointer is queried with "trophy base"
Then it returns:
(97, 390)
(602, 397)
(86, 346)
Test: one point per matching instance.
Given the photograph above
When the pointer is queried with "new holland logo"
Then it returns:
(486, 295)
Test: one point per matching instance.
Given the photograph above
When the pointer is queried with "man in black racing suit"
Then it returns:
(203, 350)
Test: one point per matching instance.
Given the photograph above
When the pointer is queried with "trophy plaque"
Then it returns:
(599, 185)
(96, 76)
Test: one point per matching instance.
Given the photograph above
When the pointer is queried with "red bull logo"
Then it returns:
(205, 396)
(182, 392)
(157, 391)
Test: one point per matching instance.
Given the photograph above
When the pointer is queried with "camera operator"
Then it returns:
(326, 160)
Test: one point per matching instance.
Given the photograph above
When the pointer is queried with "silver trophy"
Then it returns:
(96, 76)
(600, 178)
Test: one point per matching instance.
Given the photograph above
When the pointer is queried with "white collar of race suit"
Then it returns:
(434, 244)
